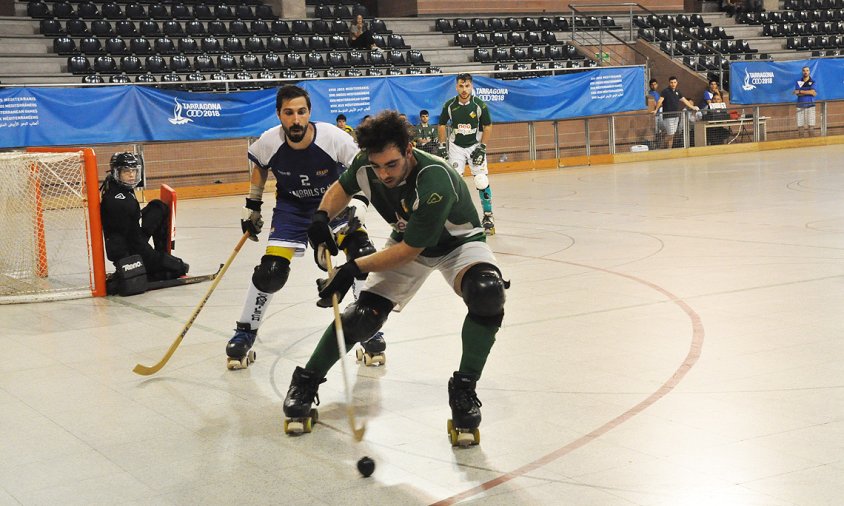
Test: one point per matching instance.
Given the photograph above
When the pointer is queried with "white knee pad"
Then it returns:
(481, 181)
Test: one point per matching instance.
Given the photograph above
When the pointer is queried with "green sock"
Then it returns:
(325, 355)
(477, 341)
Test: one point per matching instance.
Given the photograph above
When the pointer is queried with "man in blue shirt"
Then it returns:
(805, 91)
(658, 127)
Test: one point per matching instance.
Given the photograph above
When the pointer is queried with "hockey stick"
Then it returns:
(146, 371)
(187, 280)
(341, 347)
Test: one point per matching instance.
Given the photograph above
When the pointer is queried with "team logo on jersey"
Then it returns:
(120, 196)
(435, 198)
(473, 115)
(322, 172)
(400, 225)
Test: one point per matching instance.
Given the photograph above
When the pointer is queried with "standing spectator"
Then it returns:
(710, 93)
(659, 129)
(341, 124)
(359, 35)
(805, 91)
(425, 136)
(673, 103)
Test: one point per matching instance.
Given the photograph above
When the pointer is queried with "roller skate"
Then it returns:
(239, 349)
(299, 417)
(371, 351)
(465, 413)
(488, 223)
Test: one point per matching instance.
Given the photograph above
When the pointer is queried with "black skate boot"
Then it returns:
(465, 412)
(299, 417)
(488, 223)
(239, 349)
(371, 351)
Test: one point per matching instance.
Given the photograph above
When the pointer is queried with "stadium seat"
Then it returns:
(414, 71)
(76, 28)
(226, 62)
(232, 44)
(276, 43)
(210, 45)
(358, 9)
(188, 45)
(415, 57)
(90, 46)
(244, 12)
(324, 11)
(249, 61)
(294, 61)
(93, 79)
(88, 10)
(536, 52)
(335, 59)
(434, 70)
(501, 54)
(395, 57)
(105, 64)
(264, 12)
(78, 65)
(377, 58)
(101, 28)
(300, 27)
(140, 46)
(513, 23)
(314, 60)
(64, 45)
(478, 25)
(280, 27)
(181, 11)
(318, 43)
(131, 64)
(37, 9)
(146, 77)
(164, 45)
(119, 79)
(259, 27)
(338, 42)
(156, 64)
(461, 25)
(239, 28)
(353, 72)
(172, 28)
(332, 72)
(223, 11)
(483, 55)
(271, 61)
(217, 28)
(116, 46)
(374, 72)
(478, 39)
(158, 11)
(254, 44)
(378, 26)
(50, 27)
(342, 12)
(149, 28)
(125, 28)
(356, 59)
(310, 74)
(203, 62)
(297, 43)
(135, 10)
(443, 25)
(288, 74)
(63, 10)
(497, 25)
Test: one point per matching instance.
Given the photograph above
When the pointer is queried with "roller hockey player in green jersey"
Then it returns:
(435, 227)
(471, 128)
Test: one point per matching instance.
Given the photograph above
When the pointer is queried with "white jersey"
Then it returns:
(304, 175)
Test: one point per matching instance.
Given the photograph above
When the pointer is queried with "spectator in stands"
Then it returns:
(659, 129)
(732, 7)
(673, 103)
(341, 124)
(710, 93)
(359, 35)
(425, 135)
(805, 91)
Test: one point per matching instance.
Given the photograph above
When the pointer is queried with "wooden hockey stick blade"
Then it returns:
(357, 433)
(187, 280)
(148, 370)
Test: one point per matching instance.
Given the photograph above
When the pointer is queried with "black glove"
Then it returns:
(339, 282)
(319, 233)
(251, 220)
(443, 151)
(479, 154)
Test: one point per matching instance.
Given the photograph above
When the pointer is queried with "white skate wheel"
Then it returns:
(359, 354)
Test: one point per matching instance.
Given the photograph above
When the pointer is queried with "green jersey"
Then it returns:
(467, 120)
(431, 209)
(425, 132)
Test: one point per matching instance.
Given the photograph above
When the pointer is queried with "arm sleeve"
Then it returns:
(348, 179)
(436, 196)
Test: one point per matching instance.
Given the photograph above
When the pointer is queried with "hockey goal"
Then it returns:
(51, 241)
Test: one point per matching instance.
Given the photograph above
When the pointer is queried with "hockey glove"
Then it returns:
(338, 282)
(320, 234)
(443, 151)
(250, 220)
(479, 154)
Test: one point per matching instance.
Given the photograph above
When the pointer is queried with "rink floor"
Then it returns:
(673, 336)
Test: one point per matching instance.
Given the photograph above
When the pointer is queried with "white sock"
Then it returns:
(254, 306)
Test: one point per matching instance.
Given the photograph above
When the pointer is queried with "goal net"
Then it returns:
(50, 227)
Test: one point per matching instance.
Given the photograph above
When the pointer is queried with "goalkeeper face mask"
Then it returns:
(128, 177)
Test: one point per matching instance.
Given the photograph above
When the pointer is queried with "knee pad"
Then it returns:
(481, 181)
(365, 317)
(154, 216)
(271, 274)
(483, 292)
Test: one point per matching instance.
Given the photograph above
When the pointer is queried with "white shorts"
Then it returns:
(805, 116)
(461, 157)
(400, 285)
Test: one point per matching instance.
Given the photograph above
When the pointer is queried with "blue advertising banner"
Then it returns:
(588, 93)
(119, 114)
(774, 82)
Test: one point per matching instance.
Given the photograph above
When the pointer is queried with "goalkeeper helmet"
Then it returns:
(126, 169)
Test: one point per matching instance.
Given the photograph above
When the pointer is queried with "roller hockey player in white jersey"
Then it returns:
(306, 158)
(471, 128)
